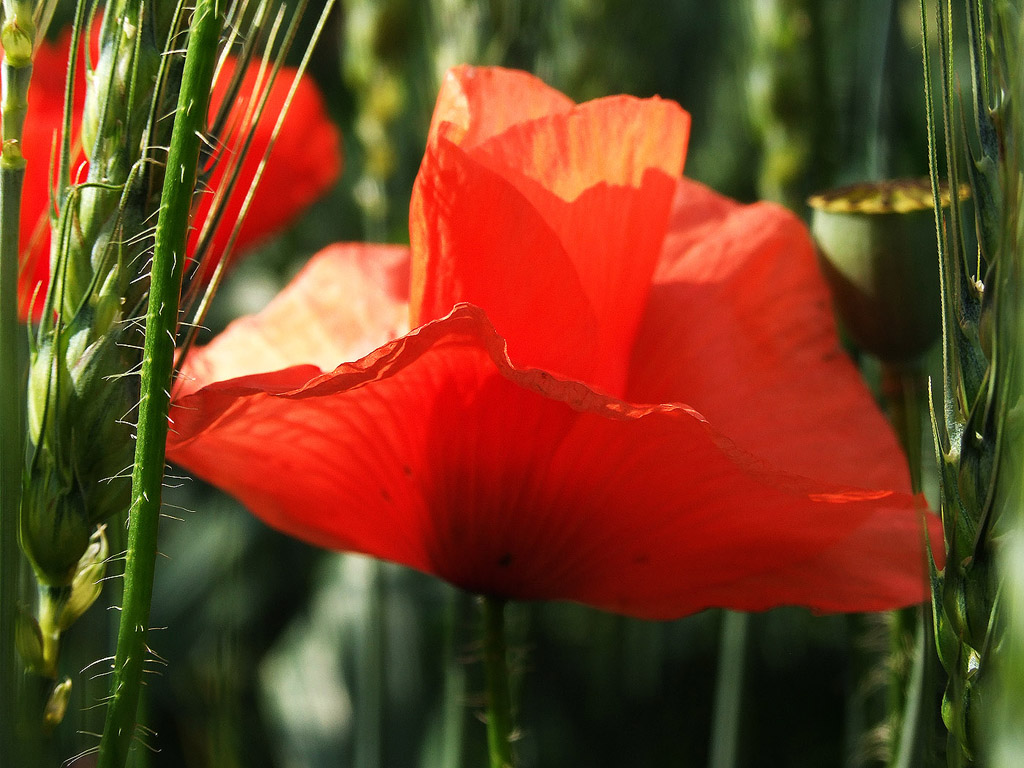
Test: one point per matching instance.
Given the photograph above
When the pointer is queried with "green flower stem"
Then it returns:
(10, 448)
(157, 368)
(10, 451)
(725, 727)
(913, 747)
(370, 680)
(454, 687)
(17, 72)
(499, 698)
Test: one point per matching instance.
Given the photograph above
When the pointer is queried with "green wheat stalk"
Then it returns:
(976, 431)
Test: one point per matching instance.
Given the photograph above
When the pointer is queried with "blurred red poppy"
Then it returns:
(620, 388)
(305, 161)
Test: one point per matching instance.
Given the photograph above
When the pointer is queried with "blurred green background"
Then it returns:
(276, 654)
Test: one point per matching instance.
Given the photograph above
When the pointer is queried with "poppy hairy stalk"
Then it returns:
(85, 347)
(188, 139)
(157, 366)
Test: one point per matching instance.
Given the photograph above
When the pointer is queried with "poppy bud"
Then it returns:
(878, 252)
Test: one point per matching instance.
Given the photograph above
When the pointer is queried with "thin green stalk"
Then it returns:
(454, 687)
(10, 446)
(10, 451)
(157, 366)
(916, 737)
(370, 673)
(725, 728)
(499, 698)
(17, 72)
(912, 656)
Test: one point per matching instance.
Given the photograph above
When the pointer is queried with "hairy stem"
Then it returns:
(157, 366)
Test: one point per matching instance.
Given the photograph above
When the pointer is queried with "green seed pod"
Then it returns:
(877, 247)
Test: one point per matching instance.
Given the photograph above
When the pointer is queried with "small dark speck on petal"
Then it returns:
(505, 560)
(385, 495)
(642, 559)
(407, 470)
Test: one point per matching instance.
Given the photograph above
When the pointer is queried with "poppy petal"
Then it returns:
(372, 456)
(303, 163)
(678, 520)
(467, 112)
(607, 217)
(739, 325)
(567, 153)
(347, 301)
(508, 259)
(436, 452)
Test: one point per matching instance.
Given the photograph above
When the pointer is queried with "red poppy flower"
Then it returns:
(621, 388)
(305, 160)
